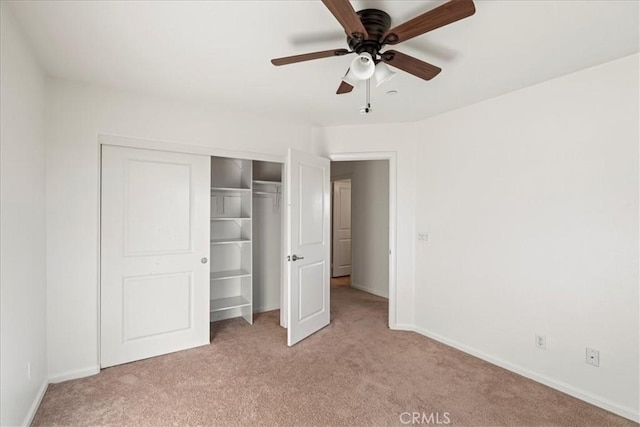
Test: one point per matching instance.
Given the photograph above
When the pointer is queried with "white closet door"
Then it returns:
(308, 240)
(154, 253)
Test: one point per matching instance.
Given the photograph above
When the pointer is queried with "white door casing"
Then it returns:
(154, 253)
(308, 240)
(391, 157)
(341, 239)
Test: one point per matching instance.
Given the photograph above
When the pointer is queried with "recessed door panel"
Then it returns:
(311, 206)
(156, 305)
(344, 194)
(343, 258)
(159, 190)
(312, 299)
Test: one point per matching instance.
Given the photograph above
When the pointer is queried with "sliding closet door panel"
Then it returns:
(154, 253)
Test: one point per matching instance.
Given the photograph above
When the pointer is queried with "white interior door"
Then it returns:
(341, 265)
(154, 253)
(308, 244)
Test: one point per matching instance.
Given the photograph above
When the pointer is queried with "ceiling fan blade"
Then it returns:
(410, 64)
(452, 11)
(344, 88)
(309, 56)
(347, 17)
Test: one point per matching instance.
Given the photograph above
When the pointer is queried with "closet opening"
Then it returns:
(360, 227)
(246, 239)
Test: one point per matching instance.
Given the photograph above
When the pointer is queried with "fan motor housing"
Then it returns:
(377, 23)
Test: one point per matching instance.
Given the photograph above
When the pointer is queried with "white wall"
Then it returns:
(267, 253)
(531, 202)
(267, 246)
(76, 115)
(22, 226)
(399, 139)
(267, 238)
(370, 227)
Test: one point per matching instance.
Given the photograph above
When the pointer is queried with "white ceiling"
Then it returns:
(219, 51)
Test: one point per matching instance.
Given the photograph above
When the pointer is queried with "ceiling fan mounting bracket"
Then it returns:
(377, 23)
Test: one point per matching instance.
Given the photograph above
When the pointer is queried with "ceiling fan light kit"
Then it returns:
(369, 30)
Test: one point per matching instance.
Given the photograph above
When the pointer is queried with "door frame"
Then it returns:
(391, 157)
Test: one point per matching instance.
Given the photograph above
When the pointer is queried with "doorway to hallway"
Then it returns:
(360, 225)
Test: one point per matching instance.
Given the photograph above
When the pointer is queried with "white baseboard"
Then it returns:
(72, 375)
(371, 291)
(402, 327)
(600, 402)
(36, 404)
(266, 308)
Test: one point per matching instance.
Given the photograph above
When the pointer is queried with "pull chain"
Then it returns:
(367, 108)
(368, 95)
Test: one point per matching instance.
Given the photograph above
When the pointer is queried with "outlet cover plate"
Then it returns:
(593, 357)
(541, 342)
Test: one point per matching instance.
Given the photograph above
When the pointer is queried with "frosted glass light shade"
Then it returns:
(363, 67)
(383, 74)
(350, 78)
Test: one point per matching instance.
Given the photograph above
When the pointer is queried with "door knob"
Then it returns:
(204, 260)
(295, 257)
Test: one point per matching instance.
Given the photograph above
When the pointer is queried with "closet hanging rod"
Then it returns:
(228, 189)
(264, 182)
(266, 192)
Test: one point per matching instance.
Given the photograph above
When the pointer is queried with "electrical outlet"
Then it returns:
(541, 342)
(593, 357)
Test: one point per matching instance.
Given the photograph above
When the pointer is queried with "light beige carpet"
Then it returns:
(354, 372)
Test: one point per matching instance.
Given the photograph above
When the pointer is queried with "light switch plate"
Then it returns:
(423, 237)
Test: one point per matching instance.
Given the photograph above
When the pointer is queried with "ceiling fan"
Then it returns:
(368, 31)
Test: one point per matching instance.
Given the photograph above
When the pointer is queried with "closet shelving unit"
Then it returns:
(231, 239)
